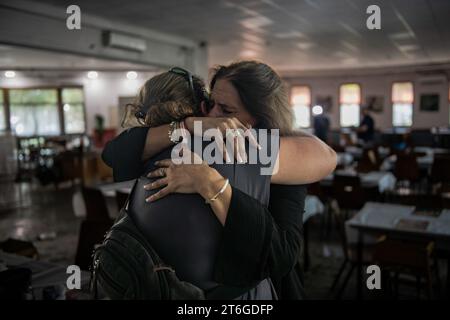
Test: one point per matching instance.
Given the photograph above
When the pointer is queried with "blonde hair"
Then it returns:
(167, 97)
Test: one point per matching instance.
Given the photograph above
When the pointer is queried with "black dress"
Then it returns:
(257, 241)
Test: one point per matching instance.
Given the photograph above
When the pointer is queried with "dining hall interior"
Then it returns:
(368, 78)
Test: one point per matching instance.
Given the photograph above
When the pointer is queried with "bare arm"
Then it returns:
(157, 140)
(303, 159)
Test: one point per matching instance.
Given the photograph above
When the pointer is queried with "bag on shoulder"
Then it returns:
(125, 266)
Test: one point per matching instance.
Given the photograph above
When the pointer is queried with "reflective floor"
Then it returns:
(44, 215)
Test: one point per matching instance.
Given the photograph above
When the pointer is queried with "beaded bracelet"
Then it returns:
(172, 127)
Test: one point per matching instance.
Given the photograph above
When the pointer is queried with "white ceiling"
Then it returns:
(19, 58)
(294, 34)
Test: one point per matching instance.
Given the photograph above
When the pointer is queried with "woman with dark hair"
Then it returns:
(182, 228)
(258, 241)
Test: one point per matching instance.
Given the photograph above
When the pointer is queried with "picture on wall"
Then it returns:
(375, 103)
(429, 102)
(326, 102)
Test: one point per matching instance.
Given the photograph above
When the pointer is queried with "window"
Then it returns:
(301, 102)
(43, 111)
(350, 100)
(73, 109)
(34, 112)
(402, 104)
(2, 112)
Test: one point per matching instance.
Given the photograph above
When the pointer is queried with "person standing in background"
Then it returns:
(321, 124)
(366, 129)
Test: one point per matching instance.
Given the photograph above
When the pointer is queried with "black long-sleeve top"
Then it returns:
(257, 242)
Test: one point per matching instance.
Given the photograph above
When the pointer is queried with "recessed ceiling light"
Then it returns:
(305, 45)
(342, 54)
(402, 35)
(252, 38)
(408, 47)
(131, 75)
(256, 22)
(92, 75)
(349, 61)
(10, 74)
(289, 35)
(248, 54)
(316, 110)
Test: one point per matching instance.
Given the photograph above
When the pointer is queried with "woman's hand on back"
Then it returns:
(182, 178)
(192, 178)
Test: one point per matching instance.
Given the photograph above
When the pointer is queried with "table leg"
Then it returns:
(448, 278)
(359, 273)
(306, 244)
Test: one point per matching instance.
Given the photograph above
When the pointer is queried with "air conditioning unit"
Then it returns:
(432, 80)
(124, 41)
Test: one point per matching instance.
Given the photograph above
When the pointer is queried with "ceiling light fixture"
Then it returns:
(92, 75)
(317, 110)
(131, 75)
(10, 74)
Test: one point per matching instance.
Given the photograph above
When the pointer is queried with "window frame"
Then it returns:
(5, 106)
(60, 110)
(60, 99)
(339, 103)
(310, 101)
(412, 102)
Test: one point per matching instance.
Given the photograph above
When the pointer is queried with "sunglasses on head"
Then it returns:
(188, 76)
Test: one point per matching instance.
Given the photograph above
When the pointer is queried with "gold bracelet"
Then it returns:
(222, 190)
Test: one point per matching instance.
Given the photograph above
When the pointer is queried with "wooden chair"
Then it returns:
(350, 253)
(68, 166)
(407, 168)
(348, 192)
(406, 257)
(440, 169)
(317, 190)
(370, 160)
(96, 208)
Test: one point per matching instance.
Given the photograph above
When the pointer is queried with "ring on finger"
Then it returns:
(232, 133)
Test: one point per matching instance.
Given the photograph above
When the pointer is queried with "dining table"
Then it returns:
(399, 221)
(382, 180)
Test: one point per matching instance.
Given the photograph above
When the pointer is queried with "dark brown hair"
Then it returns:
(262, 92)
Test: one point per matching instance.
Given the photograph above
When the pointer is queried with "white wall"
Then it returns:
(380, 83)
(101, 95)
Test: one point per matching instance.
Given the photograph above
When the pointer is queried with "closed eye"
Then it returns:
(225, 109)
